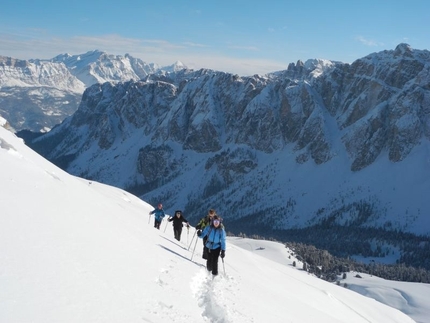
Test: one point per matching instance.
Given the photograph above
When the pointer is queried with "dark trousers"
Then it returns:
(205, 249)
(212, 261)
(157, 224)
(177, 232)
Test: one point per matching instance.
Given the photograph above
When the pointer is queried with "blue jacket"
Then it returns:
(159, 214)
(216, 237)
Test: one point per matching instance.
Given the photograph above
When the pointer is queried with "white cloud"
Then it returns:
(191, 44)
(157, 51)
(247, 48)
(368, 42)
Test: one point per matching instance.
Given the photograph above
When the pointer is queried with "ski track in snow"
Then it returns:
(215, 296)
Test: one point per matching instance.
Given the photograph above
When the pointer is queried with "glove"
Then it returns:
(199, 233)
(222, 254)
(188, 225)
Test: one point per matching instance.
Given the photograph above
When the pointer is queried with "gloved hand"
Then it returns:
(188, 225)
(199, 233)
(222, 254)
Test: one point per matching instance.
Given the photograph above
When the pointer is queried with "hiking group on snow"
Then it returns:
(209, 229)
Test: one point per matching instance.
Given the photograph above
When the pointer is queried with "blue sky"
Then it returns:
(237, 36)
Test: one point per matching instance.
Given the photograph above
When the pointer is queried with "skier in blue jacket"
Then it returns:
(215, 243)
(159, 215)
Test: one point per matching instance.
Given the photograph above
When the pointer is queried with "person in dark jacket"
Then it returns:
(178, 220)
(215, 243)
(205, 221)
(158, 215)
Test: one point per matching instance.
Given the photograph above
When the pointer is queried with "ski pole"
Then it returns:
(188, 232)
(192, 240)
(165, 226)
(194, 249)
(223, 265)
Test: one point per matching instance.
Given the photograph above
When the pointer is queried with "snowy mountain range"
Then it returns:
(79, 251)
(322, 145)
(38, 94)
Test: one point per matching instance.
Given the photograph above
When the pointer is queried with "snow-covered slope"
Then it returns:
(80, 251)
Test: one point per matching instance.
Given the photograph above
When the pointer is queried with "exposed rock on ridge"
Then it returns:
(47, 91)
(203, 138)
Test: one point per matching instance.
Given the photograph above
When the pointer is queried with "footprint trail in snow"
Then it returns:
(215, 296)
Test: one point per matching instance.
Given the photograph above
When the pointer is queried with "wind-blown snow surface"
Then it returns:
(76, 251)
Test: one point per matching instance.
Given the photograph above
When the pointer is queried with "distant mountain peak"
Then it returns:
(403, 49)
(175, 67)
(179, 63)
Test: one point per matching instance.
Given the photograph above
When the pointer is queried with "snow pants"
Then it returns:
(177, 232)
(212, 261)
(205, 249)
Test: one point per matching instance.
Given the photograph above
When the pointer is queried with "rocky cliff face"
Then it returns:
(382, 101)
(14, 72)
(320, 140)
(48, 91)
(37, 95)
(99, 67)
